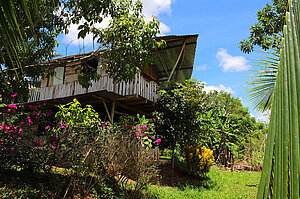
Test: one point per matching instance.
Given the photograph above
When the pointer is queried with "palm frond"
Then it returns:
(262, 81)
(281, 166)
(10, 30)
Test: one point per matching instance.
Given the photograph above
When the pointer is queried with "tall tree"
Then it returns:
(28, 31)
(266, 34)
(281, 167)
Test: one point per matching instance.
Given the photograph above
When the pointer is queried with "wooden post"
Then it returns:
(112, 111)
(107, 112)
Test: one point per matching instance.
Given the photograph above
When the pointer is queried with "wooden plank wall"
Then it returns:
(138, 87)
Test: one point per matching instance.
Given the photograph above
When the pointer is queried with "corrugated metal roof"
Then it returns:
(169, 56)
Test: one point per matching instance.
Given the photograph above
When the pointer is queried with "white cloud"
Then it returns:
(164, 28)
(220, 87)
(156, 7)
(73, 33)
(232, 63)
(203, 67)
(151, 8)
(263, 117)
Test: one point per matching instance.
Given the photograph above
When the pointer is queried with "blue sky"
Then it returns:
(221, 25)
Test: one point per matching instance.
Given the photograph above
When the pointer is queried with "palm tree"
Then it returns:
(12, 33)
(281, 167)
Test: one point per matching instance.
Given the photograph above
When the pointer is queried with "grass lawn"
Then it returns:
(220, 184)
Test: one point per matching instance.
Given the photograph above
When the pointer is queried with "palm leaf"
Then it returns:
(10, 30)
(262, 81)
(280, 175)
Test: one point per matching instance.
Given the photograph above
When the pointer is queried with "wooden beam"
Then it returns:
(188, 68)
(132, 109)
(120, 113)
(177, 46)
(180, 64)
(183, 47)
(161, 61)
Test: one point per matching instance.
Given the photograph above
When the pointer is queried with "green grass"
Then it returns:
(220, 184)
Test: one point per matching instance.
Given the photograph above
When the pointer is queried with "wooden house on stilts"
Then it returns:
(174, 62)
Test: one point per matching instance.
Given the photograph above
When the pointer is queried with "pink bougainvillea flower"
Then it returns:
(8, 110)
(158, 141)
(12, 106)
(29, 121)
(54, 147)
(47, 127)
(22, 123)
(138, 134)
(20, 130)
(144, 134)
(152, 138)
(14, 95)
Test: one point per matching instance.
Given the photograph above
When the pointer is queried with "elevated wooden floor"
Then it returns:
(139, 87)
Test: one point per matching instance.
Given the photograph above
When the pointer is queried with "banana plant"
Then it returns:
(281, 167)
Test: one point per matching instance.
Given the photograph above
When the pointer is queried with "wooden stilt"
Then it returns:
(112, 111)
(107, 112)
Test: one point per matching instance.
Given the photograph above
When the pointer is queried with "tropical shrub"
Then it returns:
(18, 145)
(228, 127)
(177, 113)
(91, 150)
(199, 159)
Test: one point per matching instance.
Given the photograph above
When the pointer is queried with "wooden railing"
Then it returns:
(137, 87)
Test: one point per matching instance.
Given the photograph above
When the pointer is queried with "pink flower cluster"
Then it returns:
(29, 121)
(11, 133)
(11, 107)
(34, 107)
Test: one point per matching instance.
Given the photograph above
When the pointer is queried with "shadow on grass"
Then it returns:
(182, 178)
(26, 184)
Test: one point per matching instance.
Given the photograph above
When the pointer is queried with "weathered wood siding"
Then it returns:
(71, 74)
(139, 87)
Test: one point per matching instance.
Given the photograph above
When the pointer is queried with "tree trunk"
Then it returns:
(173, 157)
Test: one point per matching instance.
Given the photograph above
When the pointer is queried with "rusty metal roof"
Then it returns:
(163, 63)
